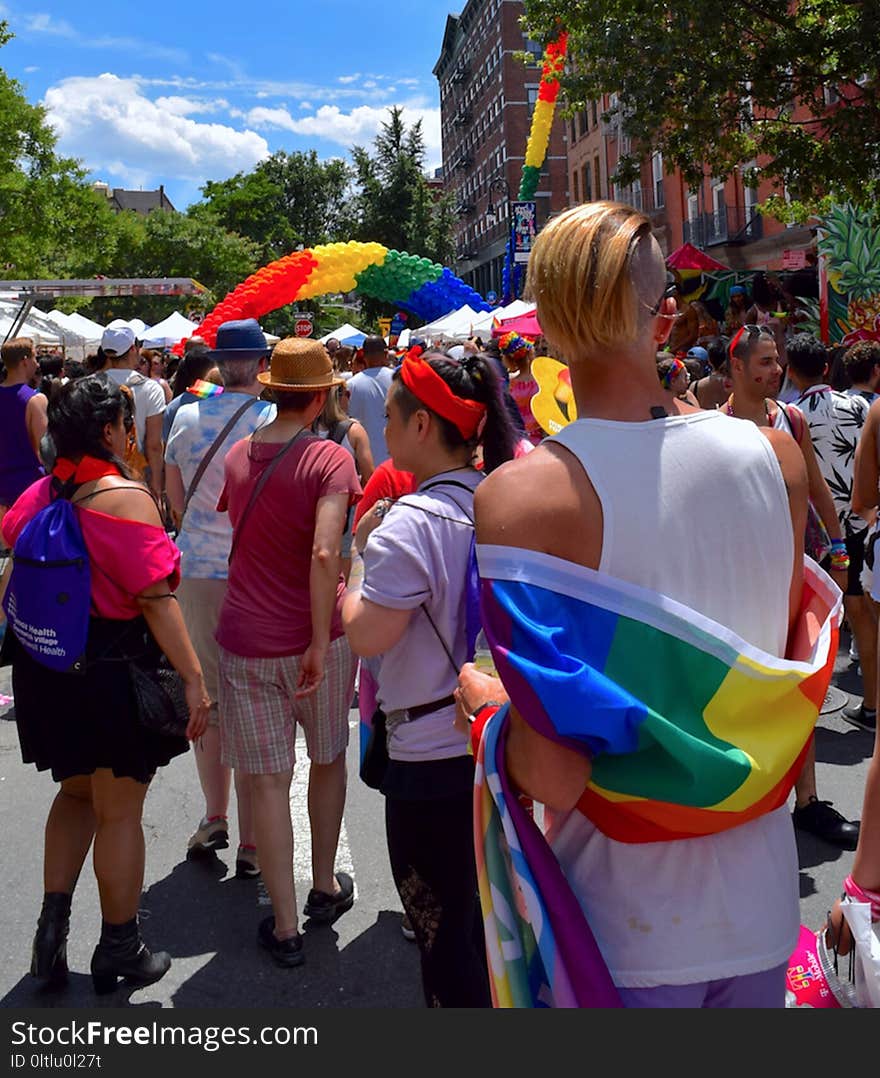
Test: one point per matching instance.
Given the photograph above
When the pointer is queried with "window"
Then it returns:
(657, 178)
(575, 187)
(693, 208)
(597, 176)
(594, 108)
(635, 194)
(573, 130)
(719, 211)
(588, 187)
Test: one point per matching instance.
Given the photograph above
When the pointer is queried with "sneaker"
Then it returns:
(324, 908)
(287, 953)
(247, 866)
(406, 927)
(820, 819)
(212, 834)
(862, 717)
(853, 651)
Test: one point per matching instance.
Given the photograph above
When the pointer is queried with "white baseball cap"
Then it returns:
(117, 340)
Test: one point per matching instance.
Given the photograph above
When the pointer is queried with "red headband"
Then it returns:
(424, 382)
(736, 340)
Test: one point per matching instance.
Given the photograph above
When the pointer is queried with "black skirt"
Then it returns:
(74, 724)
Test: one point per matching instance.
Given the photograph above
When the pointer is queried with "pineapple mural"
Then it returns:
(849, 238)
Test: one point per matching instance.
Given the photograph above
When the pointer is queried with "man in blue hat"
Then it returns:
(201, 435)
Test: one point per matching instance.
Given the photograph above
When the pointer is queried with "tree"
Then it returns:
(725, 86)
(393, 204)
(174, 245)
(287, 200)
(50, 218)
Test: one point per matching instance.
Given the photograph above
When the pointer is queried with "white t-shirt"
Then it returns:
(149, 397)
(718, 538)
(206, 536)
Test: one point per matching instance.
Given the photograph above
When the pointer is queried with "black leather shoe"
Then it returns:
(49, 953)
(861, 717)
(122, 953)
(820, 819)
(287, 953)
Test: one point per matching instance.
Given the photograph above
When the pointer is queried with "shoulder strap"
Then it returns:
(212, 452)
(793, 419)
(261, 482)
(340, 429)
(445, 646)
(452, 483)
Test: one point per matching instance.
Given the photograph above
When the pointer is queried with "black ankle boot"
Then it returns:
(122, 953)
(49, 954)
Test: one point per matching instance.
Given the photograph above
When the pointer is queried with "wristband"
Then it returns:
(478, 719)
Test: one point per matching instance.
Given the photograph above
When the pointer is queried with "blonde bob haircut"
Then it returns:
(580, 276)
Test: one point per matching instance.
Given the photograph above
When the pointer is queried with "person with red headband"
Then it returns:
(85, 727)
(412, 612)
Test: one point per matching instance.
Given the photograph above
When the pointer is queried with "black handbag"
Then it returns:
(160, 699)
(376, 759)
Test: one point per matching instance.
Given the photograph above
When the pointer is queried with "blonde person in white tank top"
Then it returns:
(706, 921)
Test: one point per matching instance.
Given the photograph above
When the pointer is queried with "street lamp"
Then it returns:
(500, 184)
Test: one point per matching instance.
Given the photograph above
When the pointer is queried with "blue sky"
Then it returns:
(179, 93)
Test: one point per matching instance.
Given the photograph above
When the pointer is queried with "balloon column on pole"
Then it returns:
(536, 149)
(418, 285)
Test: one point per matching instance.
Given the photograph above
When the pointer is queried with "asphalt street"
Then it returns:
(207, 919)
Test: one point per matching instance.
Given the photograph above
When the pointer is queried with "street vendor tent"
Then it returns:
(168, 332)
(688, 257)
(346, 334)
(527, 325)
(41, 329)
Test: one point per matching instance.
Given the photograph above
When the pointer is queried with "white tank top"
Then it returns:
(694, 507)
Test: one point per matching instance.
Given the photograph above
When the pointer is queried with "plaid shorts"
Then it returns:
(259, 712)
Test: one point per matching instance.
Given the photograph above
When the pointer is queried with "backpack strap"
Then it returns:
(212, 452)
(261, 482)
(339, 430)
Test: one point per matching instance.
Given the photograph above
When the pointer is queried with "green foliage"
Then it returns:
(287, 200)
(713, 86)
(392, 203)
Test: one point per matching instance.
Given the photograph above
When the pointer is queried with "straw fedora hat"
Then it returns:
(299, 365)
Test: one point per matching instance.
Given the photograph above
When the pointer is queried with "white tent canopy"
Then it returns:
(168, 332)
(41, 329)
(343, 333)
(457, 325)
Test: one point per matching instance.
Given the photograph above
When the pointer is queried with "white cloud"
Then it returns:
(306, 105)
(30, 70)
(189, 106)
(48, 25)
(345, 79)
(113, 127)
(348, 128)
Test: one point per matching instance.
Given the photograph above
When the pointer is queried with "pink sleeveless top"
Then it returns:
(126, 556)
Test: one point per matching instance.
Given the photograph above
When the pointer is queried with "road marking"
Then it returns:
(302, 837)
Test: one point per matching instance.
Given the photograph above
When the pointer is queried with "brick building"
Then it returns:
(720, 216)
(486, 102)
(141, 202)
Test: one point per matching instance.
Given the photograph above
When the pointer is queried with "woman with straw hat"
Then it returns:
(284, 659)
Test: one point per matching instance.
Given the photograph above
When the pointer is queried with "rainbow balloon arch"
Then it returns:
(416, 285)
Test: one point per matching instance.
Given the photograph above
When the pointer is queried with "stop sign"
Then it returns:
(303, 327)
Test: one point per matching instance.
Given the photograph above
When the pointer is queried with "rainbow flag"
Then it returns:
(691, 731)
(202, 389)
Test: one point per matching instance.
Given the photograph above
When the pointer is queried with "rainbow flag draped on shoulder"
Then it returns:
(691, 731)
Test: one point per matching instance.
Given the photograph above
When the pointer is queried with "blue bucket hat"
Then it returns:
(737, 290)
(698, 353)
(240, 340)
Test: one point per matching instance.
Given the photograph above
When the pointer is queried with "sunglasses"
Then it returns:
(749, 331)
(668, 292)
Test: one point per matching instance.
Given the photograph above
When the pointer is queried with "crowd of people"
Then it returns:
(297, 531)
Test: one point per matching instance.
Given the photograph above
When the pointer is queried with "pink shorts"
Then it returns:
(259, 712)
